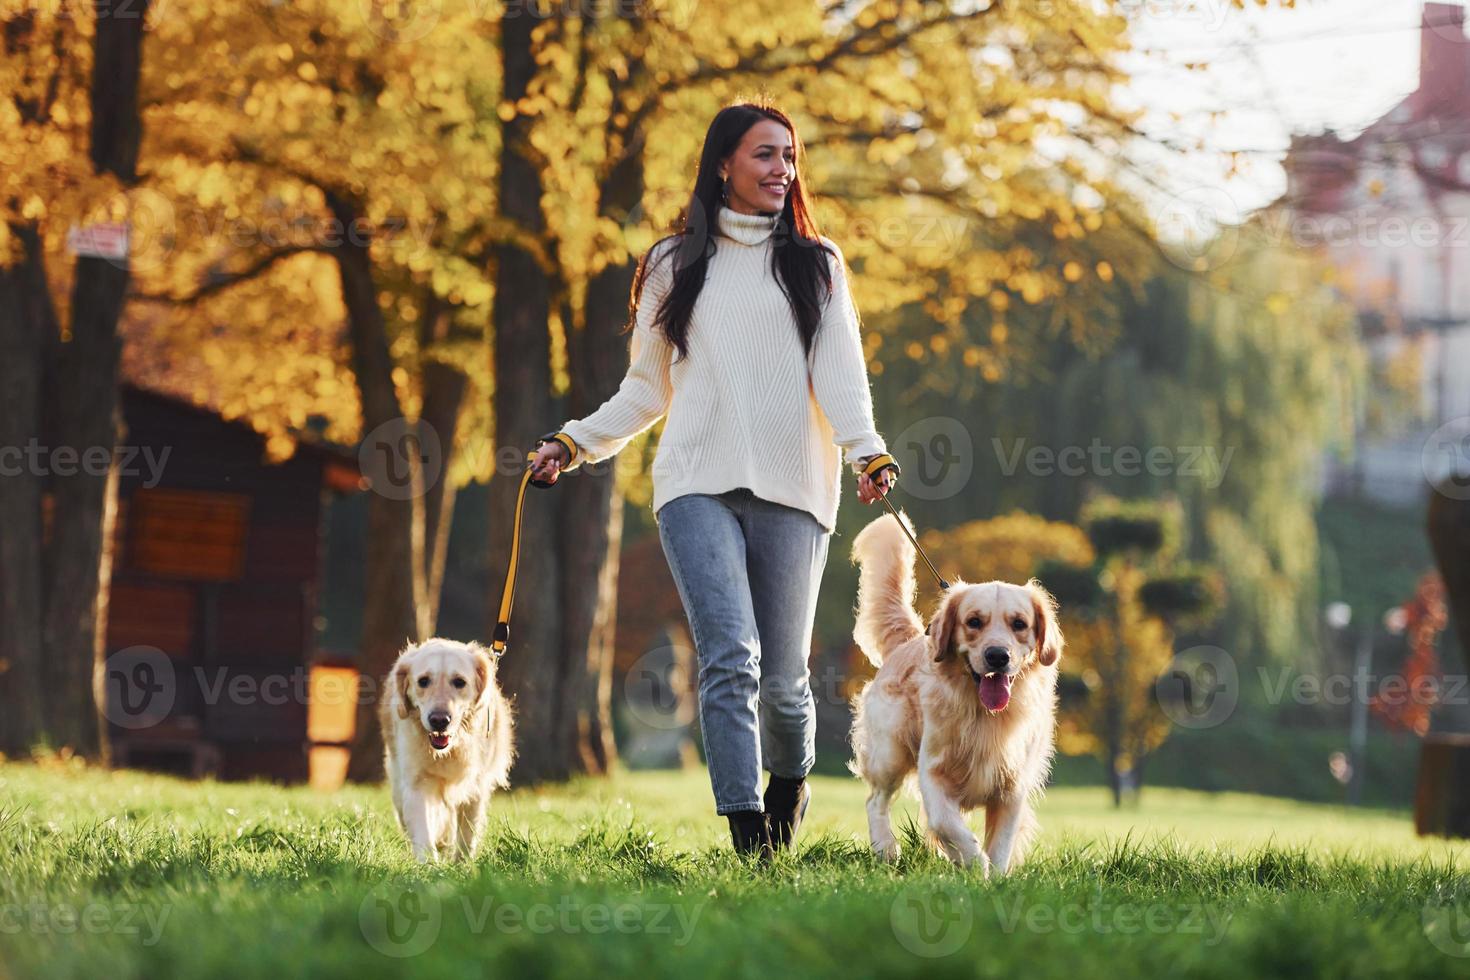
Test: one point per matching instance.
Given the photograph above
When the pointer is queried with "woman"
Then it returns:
(746, 335)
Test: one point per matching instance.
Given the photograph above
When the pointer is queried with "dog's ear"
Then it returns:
(484, 675)
(941, 627)
(1049, 641)
(401, 680)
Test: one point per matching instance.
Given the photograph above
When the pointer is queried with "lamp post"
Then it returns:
(1339, 614)
(1358, 733)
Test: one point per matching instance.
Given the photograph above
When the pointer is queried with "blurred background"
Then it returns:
(1163, 302)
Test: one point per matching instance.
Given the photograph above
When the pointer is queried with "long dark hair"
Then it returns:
(798, 257)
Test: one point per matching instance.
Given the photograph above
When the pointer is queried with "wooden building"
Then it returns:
(213, 665)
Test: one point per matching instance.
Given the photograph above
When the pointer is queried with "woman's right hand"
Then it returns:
(550, 458)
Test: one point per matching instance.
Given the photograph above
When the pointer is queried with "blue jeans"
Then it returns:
(748, 571)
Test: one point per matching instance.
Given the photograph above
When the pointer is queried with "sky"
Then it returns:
(1336, 64)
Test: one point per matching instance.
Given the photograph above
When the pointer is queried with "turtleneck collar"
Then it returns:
(749, 229)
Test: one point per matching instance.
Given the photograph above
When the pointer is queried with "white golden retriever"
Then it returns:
(970, 707)
(447, 739)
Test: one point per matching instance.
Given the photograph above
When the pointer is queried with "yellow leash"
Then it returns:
(501, 637)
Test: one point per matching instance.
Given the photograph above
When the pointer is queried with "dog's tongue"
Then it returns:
(995, 691)
(439, 742)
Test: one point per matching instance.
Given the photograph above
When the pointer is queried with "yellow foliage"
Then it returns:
(1119, 655)
(921, 157)
(1008, 548)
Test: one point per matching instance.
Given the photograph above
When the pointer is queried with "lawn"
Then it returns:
(126, 875)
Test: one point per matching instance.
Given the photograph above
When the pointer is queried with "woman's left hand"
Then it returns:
(869, 490)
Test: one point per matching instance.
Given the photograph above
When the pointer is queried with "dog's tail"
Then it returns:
(886, 587)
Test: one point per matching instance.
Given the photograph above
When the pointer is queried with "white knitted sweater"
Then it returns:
(745, 408)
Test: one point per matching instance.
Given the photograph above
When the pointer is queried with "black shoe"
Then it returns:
(751, 833)
(786, 803)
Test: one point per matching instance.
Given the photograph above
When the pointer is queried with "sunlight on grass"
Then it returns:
(213, 879)
(678, 808)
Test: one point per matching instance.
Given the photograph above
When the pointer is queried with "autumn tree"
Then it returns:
(1119, 615)
(1121, 593)
(70, 131)
(368, 148)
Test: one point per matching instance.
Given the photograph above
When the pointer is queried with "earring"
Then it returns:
(725, 191)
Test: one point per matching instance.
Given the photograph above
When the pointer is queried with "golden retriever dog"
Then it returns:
(969, 707)
(447, 740)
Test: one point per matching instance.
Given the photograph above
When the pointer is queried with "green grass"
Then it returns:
(127, 875)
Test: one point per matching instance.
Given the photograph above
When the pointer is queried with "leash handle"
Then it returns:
(879, 462)
(573, 450)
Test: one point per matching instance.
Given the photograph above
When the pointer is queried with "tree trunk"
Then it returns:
(1442, 797)
(534, 669)
(389, 618)
(85, 419)
(564, 693)
(1113, 727)
(78, 565)
(1449, 541)
(593, 528)
(590, 545)
(27, 322)
(444, 388)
